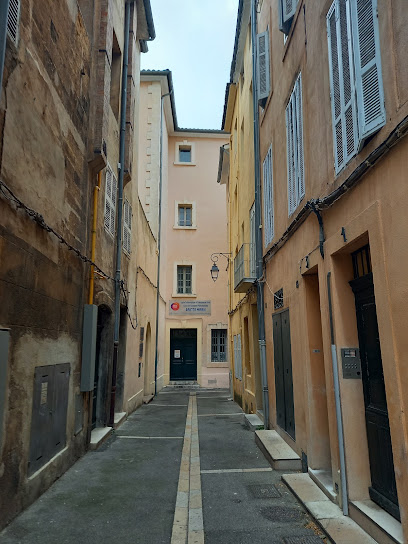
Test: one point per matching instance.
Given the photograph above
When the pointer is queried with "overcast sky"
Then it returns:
(195, 40)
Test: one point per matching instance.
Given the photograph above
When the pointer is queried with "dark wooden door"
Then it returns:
(285, 412)
(183, 354)
(383, 489)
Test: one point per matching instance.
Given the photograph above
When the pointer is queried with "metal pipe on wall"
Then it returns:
(93, 237)
(258, 220)
(4, 7)
(123, 102)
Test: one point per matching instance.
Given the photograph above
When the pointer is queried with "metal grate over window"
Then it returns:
(219, 345)
(184, 275)
(278, 299)
(361, 262)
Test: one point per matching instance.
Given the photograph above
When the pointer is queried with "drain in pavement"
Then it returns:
(303, 540)
(279, 513)
(264, 491)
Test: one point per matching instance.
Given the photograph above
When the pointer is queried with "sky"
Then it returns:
(195, 40)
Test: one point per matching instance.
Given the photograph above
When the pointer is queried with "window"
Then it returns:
(294, 146)
(252, 247)
(263, 72)
(268, 209)
(13, 20)
(127, 226)
(116, 68)
(287, 9)
(110, 201)
(237, 357)
(185, 216)
(184, 280)
(219, 345)
(185, 153)
(357, 94)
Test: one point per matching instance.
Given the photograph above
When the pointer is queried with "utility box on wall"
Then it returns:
(89, 347)
(351, 363)
(4, 348)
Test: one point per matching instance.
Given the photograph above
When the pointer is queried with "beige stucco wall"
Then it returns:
(372, 212)
(196, 184)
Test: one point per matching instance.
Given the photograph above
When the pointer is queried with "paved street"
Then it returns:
(183, 468)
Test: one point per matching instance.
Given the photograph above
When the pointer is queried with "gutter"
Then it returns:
(354, 178)
(149, 20)
(4, 7)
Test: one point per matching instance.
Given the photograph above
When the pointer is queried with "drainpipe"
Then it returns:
(93, 237)
(120, 210)
(337, 398)
(258, 237)
(4, 7)
(156, 354)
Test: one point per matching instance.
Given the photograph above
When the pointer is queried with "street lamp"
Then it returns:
(214, 269)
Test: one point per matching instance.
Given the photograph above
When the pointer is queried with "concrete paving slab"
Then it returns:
(345, 531)
(304, 488)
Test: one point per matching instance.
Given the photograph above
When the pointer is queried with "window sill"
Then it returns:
(177, 227)
(184, 163)
(183, 295)
(216, 364)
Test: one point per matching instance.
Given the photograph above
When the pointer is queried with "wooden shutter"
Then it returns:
(239, 357)
(268, 207)
(263, 75)
(290, 137)
(127, 226)
(110, 201)
(367, 59)
(13, 20)
(344, 108)
(287, 9)
(294, 147)
(252, 247)
(300, 169)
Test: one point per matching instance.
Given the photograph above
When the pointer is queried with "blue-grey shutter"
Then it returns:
(287, 9)
(268, 198)
(367, 59)
(13, 20)
(263, 74)
(252, 247)
(342, 88)
(290, 152)
(300, 161)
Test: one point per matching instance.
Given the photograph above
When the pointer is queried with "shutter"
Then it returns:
(127, 226)
(344, 110)
(108, 199)
(252, 247)
(113, 208)
(300, 174)
(287, 9)
(239, 356)
(290, 156)
(13, 19)
(268, 197)
(367, 58)
(263, 75)
(235, 356)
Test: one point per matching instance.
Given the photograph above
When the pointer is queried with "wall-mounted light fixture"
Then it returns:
(214, 269)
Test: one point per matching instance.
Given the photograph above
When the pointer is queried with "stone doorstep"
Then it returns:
(253, 422)
(119, 418)
(147, 399)
(99, 435)
(339, 528)
(260, 414)
(376, 522)
(323, 479)
(277, 452)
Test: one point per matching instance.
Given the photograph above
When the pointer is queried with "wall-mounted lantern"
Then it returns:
(214, 269)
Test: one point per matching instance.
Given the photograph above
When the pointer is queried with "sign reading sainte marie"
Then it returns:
(193, 307)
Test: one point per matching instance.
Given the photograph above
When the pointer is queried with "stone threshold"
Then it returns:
(98, 436)
(119, 418)
(277, 452)
(339, 528)
(323, 479)
(253, 422)
(376, 522)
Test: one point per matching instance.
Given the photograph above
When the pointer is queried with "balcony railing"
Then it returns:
(244, 268)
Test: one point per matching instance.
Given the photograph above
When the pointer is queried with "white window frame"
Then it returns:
(13, 21)
(111, 187)
(193, 294)
(267, 194)
(185, 143)
(238, 357)
(295, 147)
(193, 206)
(127, 227)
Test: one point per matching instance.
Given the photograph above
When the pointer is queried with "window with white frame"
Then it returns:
(218, 345)
(184, 279)
(127, 226)
(185, 215)
(252, 247)
(13, 20)
(287, 9)
(185, 153)
(110, 201)
(357, 94)
(294, 147)
(237, 357)
(263, 67)
(268, 209)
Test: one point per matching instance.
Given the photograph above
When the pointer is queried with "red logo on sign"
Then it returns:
(175, 306)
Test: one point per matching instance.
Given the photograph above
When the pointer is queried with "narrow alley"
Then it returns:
(136, 487)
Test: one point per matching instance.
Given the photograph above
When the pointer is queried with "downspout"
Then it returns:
(93, 237)
(156, 352)
(4, 7)
(339, 417)
(258, 237)
(120, 210)
(313, 205)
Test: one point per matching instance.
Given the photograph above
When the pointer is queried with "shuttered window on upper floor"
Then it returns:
(263, 66)
(356, 87)
(294, 147)
(13, 20)
(268, 208)
(287, 9)
(127, 227)
(237, 357)
(110, 201)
